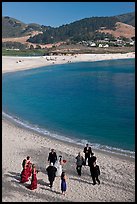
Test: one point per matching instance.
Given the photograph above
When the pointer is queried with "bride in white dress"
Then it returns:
(58, 165)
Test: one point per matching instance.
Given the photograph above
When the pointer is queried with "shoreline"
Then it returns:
(29, 61)
(118, 152)
(24, 63)
(70, 144)
(117, 172)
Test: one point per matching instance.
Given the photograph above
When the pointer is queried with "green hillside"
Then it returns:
(12, 27)
(85, 29)
(127, 18)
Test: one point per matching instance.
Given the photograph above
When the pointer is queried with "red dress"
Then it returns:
(33, 184)
(24, 176)
(29, 168)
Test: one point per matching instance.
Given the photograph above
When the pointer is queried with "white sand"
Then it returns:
(10, 64)
(117, 173)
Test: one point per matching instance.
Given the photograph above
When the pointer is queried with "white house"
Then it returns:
(132, 43)
(100, 45)
(106, 45)
(93, 44)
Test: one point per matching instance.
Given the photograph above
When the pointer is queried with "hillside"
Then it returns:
(94, 28)
(87, 29)
(122, 29)
(128, 18)
(77, 31)
(12, 27)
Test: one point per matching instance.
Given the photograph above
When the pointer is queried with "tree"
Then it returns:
(38, 47)
(31, 47)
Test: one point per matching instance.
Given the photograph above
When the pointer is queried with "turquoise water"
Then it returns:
(80, 102)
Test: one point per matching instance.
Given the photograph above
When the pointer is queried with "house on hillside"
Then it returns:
(132, 43)
(93, 44)
(100, 45)
(106, 45)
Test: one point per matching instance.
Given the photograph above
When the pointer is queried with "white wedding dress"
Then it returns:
(59, 168)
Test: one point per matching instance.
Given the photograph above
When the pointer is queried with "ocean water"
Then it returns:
(82, 102)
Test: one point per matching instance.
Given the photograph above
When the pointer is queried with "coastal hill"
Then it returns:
(12, 27)
(121, 29)
(84, 33)
(84, 29)
(128, 18)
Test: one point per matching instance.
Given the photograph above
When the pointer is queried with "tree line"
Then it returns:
(85, 29)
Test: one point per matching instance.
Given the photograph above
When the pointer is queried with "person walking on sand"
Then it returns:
(63, 183)
(58, 165)
(95, 173)
(87, 151)
(51, 170)
(24, 162)
(33, 184)
(52, 158)
(24, 173)
(29, 166)
(79, 163)
(91, 161)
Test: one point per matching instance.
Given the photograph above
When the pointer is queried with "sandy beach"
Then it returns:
(10, 64)
(117, 179)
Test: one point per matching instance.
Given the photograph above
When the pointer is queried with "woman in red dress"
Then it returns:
(29, 166)
(33, 184)
(24, 173)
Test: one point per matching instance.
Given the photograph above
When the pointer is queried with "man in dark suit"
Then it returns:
(94, 169)
(95, 173)
(52, 157)
(91, 161)
(51, 170)
(87, 151)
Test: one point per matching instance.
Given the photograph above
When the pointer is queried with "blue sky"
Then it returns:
(58, 13)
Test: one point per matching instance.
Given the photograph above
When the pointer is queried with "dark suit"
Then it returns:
(91, 161)
(51, 170)
(95, 172)
(52, 157)
(87, 151)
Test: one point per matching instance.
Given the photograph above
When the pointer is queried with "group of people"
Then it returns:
(55, 169)
(81, 161)
(29, 170)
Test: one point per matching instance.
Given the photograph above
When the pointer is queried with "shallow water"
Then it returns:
(80, 102)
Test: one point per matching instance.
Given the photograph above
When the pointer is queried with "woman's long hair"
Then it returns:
(24, 163)
(62, 175)
(33, 167)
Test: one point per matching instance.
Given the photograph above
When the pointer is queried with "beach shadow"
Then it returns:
(43, 170)
(41, 182)
(17, 178)
(26, 184)
(81, 180)
(8, 192)
(117, 186)
(48, 189)
(13, 175)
